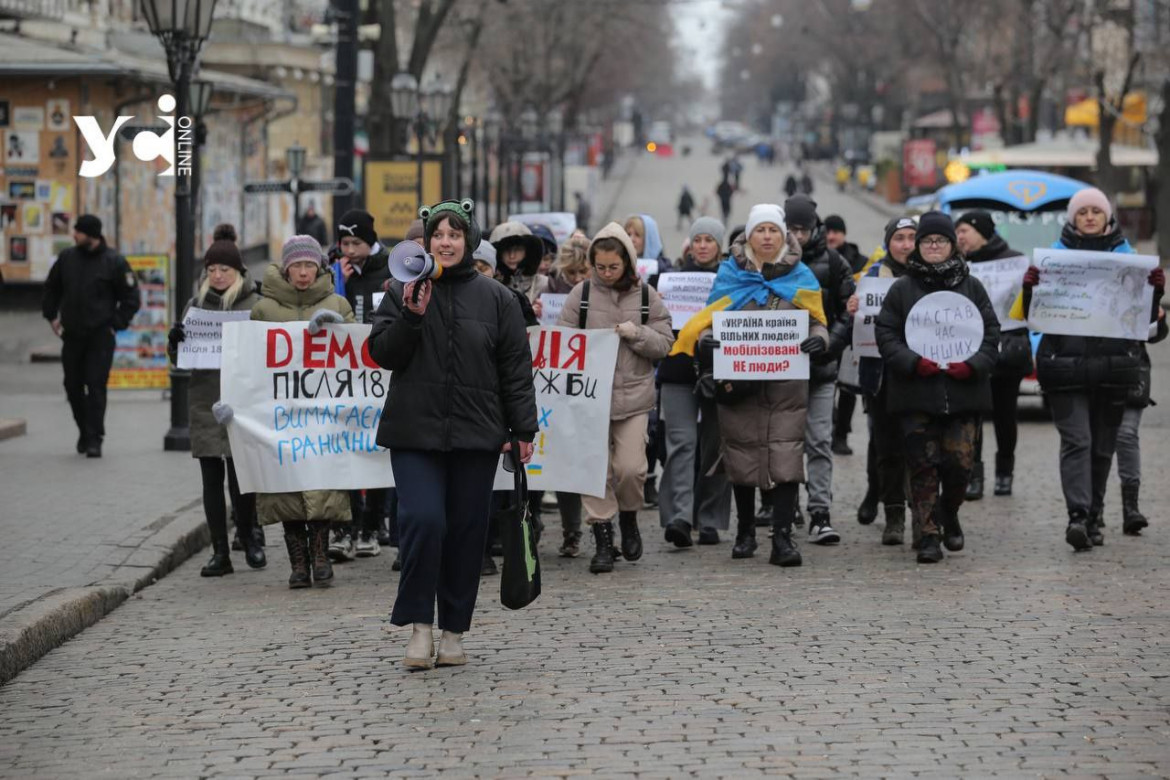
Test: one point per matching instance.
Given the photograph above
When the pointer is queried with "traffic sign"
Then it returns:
(260, 187)
(340, 186)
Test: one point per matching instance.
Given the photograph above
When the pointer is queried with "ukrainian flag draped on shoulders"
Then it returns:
(735, 288)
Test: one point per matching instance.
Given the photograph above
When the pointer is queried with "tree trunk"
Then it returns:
(384, 130)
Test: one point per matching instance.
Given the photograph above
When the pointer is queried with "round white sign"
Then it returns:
(945, 327)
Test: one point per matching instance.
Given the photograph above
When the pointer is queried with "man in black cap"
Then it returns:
(90, 293)
(837, 286)
(364, 265)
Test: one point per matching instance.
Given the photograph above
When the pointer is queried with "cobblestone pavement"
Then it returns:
(1015, 657)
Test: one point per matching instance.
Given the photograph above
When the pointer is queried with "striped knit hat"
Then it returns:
(298, 249)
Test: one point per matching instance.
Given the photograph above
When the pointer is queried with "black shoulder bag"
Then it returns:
(520, 578)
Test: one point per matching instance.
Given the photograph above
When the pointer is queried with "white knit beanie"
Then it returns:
(1090, 196)
(765, 212)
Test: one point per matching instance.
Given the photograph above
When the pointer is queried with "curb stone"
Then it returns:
(32, 630)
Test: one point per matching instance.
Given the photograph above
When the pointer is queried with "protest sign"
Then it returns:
(945, 327)
(306, 408)
(646, 268)
(572, 371)
(871, 292)
(1101, 294)
(685, 294)
(204, 329)
(760, 344)
(561, 223)
(551, 305)
(1003, 280)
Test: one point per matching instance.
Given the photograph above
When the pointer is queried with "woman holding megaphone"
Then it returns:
(461, 391)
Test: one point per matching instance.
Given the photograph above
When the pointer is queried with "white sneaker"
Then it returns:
(451, 650)
(341, 548)
(420, 650)
(820, 532)
(367, 545)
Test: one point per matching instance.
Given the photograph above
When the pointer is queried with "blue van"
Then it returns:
(1028, 206)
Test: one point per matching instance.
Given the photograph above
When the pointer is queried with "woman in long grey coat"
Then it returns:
(225, 286)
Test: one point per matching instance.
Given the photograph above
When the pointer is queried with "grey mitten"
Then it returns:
(320, 317)
(222, 412)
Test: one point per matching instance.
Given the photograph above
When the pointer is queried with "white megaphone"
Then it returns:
(409, 262)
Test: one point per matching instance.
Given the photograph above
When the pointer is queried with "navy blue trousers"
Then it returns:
(444, 502)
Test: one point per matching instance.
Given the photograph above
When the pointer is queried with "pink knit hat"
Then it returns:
(1091, 196)
(300, 249)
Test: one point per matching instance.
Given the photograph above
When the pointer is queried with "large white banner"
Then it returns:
(1003, 280)
(760, 344)
(685, 294)
(306, 408)
(1092, 294)
(201, 349)
(871, 293)
(572, 371)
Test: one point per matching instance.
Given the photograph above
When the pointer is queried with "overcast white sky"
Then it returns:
(700, 26)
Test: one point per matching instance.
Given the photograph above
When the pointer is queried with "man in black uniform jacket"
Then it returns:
(90, 293)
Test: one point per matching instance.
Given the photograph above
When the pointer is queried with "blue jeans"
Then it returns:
(444, 502)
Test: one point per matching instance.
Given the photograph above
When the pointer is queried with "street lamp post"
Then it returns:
(294, 159)
(181, 26)
(423, 107)
(556, 128)
(199, 100)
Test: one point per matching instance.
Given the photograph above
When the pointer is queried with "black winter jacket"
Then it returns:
(680, 369)
(852, 255)
(837, 286)
(363, 283)
(939, 394)
(1015, 349)
(91, 291)
(1074, 364)
(462, 372)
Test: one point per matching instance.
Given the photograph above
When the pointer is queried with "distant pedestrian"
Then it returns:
(835, 239)
(296, 288)
(90, 293)
(311, 224)
(686, 205)
(791, 185)
(724, 192)
(806, 183)
(225, 286)
(584, 212)
(463, 332)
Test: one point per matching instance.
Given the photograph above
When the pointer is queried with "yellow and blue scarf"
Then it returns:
(736, 287)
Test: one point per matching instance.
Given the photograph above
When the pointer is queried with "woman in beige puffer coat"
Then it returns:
(618, 299)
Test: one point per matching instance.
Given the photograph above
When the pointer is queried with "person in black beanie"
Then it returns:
(979, 243)
(365, 269)
(835, 239)
(938, 401)
(90, 293)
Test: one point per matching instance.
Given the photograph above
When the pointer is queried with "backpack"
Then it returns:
(583, 314)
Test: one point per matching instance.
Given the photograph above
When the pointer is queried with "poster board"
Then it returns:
(140, 352)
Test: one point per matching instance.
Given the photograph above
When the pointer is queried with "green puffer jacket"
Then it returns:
(208, 438)
(281, 302)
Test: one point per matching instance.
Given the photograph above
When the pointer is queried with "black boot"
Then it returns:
(319, 554)
(1133, 521)
(678, 533)
(220, 562)
(745, 538)
(784, 549)
(895, 530)
(1077, 533)
(650, 492)
(868, 511)
(928, 549)
(975, 486)
(952, 531)
(1004, 466)
(841, 446)
(253, 550)
(631, 539)
(298, 558)
(602, 562)
(1094, 526)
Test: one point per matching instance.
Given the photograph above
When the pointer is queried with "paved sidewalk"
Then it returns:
(86, 533)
